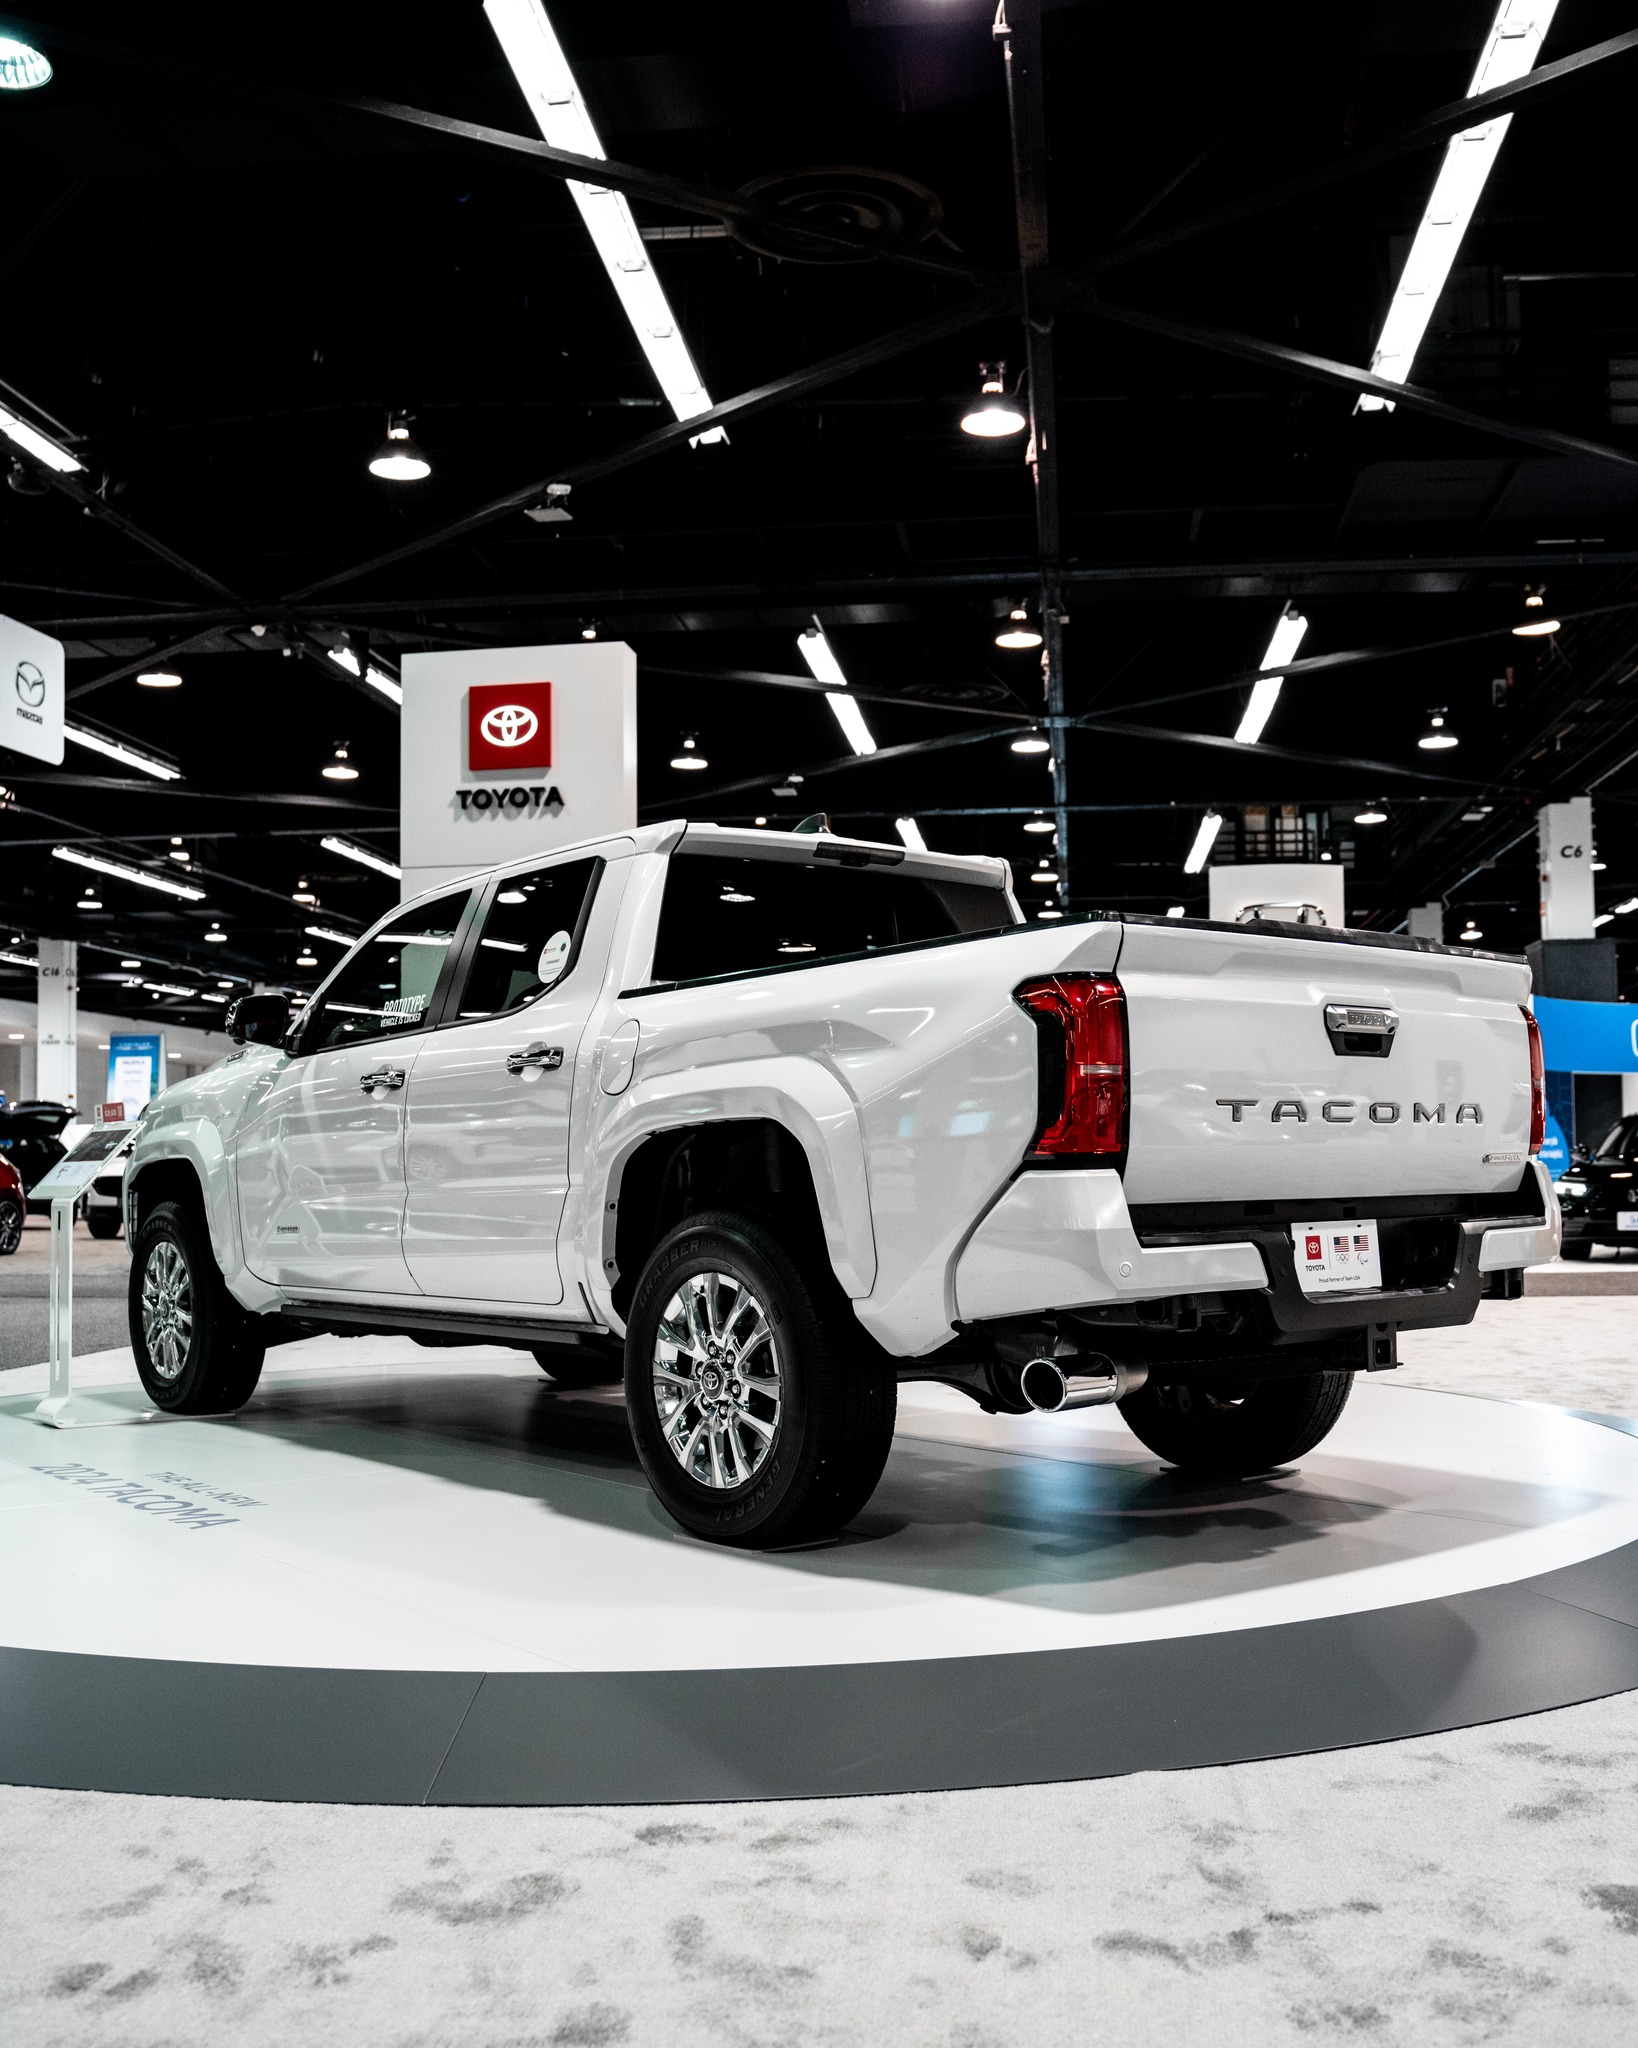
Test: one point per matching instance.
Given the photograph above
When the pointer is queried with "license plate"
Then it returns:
(1626, 1219)
(1339, 1258)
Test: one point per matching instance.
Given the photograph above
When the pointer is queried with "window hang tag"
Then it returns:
(553, 957)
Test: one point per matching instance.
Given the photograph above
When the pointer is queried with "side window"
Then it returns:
(723, 916)
(530, 937)
(386, 984)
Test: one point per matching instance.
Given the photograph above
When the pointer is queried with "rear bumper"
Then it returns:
(1062, 1240)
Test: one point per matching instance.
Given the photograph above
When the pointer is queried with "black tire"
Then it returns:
(830, 1427)
(1576, 1248)
(1232, 1429)
(566, 1368)
(12, 1216)
(203, 1354)
(103, 1222)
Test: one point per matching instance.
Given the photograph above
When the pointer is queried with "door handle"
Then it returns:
(548, 1058)
(382, 1077)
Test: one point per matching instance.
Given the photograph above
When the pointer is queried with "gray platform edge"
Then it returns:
(277, 1732)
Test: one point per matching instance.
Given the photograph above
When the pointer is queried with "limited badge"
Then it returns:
(553, 957)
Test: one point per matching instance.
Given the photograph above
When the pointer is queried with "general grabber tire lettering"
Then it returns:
(1228, 1430)
(762, 1415)
(197, 1351)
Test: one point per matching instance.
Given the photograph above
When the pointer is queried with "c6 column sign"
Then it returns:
(31, 692)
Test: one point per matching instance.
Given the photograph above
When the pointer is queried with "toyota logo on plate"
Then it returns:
(509, 725)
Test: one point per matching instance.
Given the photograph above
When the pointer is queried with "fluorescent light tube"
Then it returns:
(364, 857)
(377, 678)
(910, 832)
(33, 442)
(542, 71)
(820, 657)
(1265, 692)
(1204, 840)
(18, 960)
(118, 750)
(323, 931)
(169, 988)
(1510, 51)
(162, 883)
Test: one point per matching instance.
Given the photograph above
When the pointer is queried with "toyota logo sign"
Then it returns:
(509, 725)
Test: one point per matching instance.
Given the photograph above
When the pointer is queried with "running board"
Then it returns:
(525, 1332)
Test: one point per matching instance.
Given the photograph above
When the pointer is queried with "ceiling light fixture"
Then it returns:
(1283, 643)
(303, 894)
(180, 852)
(169, 988)
(1438, 735)
(1204, 840)
(160, 679)
(789, 787)
(40, 446)
(910, 832)
(22, 67)
(589, 630)
(1623, 909)
(323, 931)
(216, 936)
(1032, 742)
(1467, 937)
(1509, 52)
(1177, 910)
(689, 757)
(90, 900)
(1537, 622)
(122, 752)
(130, 963)
(339, 768)
(364, 856)
(995, 415)
(377, 678)
(548, 85)
(124, 873)
(823, 666)
(1019, 632)
(1051, 910)
(1039, 823)
(1373, 814)
(306, 957)
(398, 459)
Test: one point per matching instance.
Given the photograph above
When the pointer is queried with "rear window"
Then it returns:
(730, 916)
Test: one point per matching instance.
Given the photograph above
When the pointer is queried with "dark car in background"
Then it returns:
(31, 1139)
(13, 1208)
(1598, 1193)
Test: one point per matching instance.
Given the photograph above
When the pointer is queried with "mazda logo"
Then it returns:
(31, 685)
(509, 725)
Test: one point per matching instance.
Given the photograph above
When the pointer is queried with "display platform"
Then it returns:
(428, 1576)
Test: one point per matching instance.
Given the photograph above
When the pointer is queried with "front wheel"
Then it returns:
(197, 1351)
(1229, 1430)
(761, 1416)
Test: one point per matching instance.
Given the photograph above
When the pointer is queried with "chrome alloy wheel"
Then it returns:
(11, 1226)
(717, 1383)
(167, 1309)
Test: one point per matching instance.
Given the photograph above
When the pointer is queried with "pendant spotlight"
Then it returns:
(216, 936)
(306, 957)
(1018, 632)
(398, 459)
(1032, 742)
(160, 679)
(1537, 621)
(338, 768)
(1469, 934)
(1039, 823)
(995, 415)
(22, 67)
(689, 757)
(303, 895)
(1438, 735)
(90, 900)
(589, 630)
(1373, 814)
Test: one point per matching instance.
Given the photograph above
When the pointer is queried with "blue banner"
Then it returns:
(1588, 1038)
(136, 1069)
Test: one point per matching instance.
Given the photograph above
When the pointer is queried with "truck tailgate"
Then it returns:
(1238, 1092)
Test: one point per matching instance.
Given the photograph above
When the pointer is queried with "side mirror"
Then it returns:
(258, 1020)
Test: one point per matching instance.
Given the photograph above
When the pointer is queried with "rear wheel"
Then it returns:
(1225, 1431)
(762, 1416)
(197, 1351)
(11, 1225)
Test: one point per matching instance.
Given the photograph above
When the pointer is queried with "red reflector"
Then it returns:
(1538, 1084)
(1088, 1115)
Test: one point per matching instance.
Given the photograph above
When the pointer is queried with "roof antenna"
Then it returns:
(818, 822)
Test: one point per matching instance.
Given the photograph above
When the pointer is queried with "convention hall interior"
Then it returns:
(818, 1024)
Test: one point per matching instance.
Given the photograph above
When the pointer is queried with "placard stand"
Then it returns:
(62, 1408)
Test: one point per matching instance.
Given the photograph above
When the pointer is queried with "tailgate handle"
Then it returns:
(1360, 1030)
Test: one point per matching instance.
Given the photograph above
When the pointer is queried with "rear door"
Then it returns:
(489, 1102)
(320, 1159)
(1240, 1092)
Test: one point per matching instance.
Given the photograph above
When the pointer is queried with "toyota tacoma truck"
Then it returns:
(766, 1123)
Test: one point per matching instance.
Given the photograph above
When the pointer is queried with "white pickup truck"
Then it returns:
(769, 1122)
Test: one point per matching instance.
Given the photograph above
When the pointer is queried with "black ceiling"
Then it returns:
(219, 277)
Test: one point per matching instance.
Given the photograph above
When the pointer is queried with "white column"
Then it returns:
(1565, 842)
(56, 1077)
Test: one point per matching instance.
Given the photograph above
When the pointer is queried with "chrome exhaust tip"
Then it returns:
(1050, 1390)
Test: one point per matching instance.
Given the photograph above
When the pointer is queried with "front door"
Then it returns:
(320, 1158)
(487, 1139)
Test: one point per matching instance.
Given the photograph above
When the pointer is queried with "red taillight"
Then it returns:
(1538, 1084)
(1083, 1095)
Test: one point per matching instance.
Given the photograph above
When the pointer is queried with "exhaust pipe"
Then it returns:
(1050, 1390)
